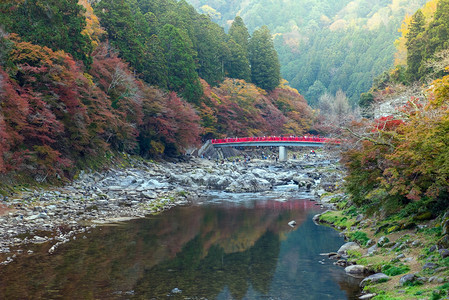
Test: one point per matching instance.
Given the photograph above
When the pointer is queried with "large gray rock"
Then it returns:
(356, 270)
(444, 253)
(429, 265)
(348, 246)
(375, 278)
(407, 278)
(383, 241)
(249, 183)
(372, 250)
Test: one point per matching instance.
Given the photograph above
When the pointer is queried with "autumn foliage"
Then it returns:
(399, 161)
(238, 108)
(55, 117)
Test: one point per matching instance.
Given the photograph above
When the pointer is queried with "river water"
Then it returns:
(238, 247)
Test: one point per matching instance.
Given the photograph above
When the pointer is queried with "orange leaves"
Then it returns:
(387, 123)
(238, 108)
(93, 28)
(415, 167)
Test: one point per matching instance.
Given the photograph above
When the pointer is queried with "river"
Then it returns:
(232, 247)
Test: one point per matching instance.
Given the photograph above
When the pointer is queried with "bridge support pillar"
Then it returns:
(282, 153)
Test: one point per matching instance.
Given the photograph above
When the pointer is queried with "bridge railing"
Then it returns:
(276, 139)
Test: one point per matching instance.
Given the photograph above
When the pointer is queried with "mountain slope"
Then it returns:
(324, 46)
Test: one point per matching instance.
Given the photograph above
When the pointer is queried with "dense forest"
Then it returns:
(401, 159)
(81, 80)
(323, 45)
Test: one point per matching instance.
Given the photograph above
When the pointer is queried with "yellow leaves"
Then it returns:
(438, 93)
(428, 11)
(400, 57)
(89, 78)
(157, 148)
(338, 25)
(93, 29)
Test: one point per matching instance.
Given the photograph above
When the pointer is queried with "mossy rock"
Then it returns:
(393, 229)
(445, 226)
(424, 216)
(382, 228)
(408, 225)
(444, 241)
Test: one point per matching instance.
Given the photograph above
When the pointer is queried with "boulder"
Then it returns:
(292, 223)
(408, 278)
(383, 241)
(444, 253)
(348, 246)
(372, 250)
(356, 270)
(429, 266)
(375, 278)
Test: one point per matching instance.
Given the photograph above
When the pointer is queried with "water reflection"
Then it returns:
(226, 251)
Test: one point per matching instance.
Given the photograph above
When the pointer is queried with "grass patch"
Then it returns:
(360, 237)
(392, 270)
(337, 219)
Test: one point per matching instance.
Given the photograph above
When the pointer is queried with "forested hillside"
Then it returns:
(324, 45)
(79, 82)
(401, 160)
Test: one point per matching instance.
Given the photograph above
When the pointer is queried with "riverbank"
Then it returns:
(55, 216)
(399, 257)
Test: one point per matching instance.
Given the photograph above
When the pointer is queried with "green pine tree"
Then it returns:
(438, 32)
(239, 33)
(56, 24)
(415, 46)
(236, 62)
(182, 76)
(265, 67)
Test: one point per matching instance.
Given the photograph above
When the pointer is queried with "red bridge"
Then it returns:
(278, 141)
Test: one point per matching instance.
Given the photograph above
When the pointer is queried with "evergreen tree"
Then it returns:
(236, 62)
(415, 46)
(182, 76)
(239, 33)
(438, 31)
(265, 68)
(117, 17)
(57, 24)
(210, 42)
(156, 72)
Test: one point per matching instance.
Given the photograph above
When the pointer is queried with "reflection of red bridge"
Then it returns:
(278, 141)
(286, 205)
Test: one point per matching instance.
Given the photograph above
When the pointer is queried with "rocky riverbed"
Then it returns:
(56, 216)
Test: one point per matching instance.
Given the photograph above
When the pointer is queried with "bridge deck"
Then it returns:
(273, 141)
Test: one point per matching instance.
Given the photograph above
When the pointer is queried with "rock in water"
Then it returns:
(356, 270)
(292, 223)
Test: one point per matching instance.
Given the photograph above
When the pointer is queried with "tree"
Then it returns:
(236, 62)
(437, 34)
(118, 20)
(415, 46)
(265, 67)
(210, 42)
(239, 33)
(57, 24)
(182, 76)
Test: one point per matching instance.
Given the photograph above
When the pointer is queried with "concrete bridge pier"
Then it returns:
(282, 153)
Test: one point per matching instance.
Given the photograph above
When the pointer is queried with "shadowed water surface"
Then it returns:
(225, 250)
